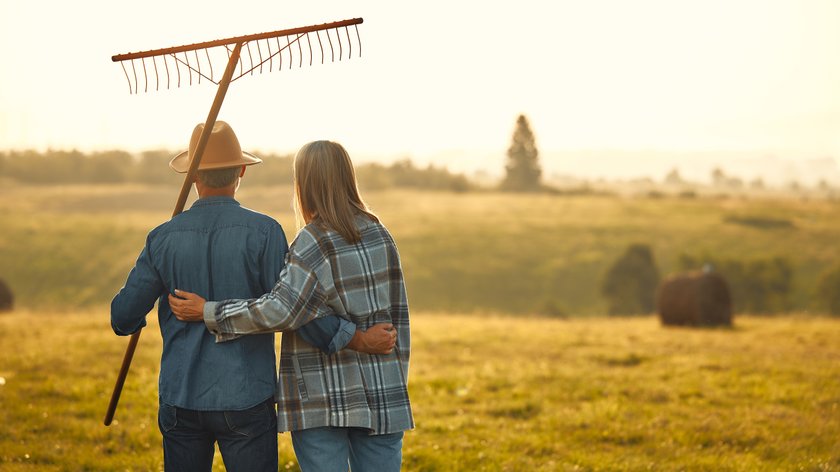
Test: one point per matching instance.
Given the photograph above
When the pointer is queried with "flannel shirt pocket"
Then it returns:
(301, 383)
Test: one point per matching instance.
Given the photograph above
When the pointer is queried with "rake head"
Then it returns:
(262, 52)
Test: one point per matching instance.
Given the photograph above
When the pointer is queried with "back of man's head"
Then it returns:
(218, 178)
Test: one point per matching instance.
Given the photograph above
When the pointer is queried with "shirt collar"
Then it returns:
(219, 200)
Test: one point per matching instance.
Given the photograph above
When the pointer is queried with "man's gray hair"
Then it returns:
(218, 178)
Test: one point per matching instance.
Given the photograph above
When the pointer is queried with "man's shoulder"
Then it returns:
(191, 220)
(257, 216)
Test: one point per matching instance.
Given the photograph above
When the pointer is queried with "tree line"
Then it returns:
(152, 167)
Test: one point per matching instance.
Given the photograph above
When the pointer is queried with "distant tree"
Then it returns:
(404, 173)
(630, 283)
(153, 168)
(523, 168)
(828, 290)
(7, 300)
(674, 177)
(106, 167)
(718, 177)
(721, 180)
(823, 186)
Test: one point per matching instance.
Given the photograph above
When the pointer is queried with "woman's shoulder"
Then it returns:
(306, 244)
(316, 233)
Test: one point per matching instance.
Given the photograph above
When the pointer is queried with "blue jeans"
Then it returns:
(333, 449)
(247, 439)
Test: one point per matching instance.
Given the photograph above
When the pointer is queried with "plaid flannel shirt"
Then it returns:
(325, 275)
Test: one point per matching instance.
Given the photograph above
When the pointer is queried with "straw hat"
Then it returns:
(222, 150)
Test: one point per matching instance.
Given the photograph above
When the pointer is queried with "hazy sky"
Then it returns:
(442, 76)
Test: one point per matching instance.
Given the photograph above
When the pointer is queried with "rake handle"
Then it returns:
(126, 363)
(179, 207)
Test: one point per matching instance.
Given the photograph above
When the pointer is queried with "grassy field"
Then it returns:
(489, 393)
(66, 247)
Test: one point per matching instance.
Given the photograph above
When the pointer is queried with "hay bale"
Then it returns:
(695, 299)
(6, 298)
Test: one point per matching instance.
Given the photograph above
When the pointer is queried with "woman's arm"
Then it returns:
(378, 339)
(295, 300)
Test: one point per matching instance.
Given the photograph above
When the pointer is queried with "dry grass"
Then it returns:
(489, 393)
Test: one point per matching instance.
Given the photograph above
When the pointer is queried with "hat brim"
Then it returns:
(181, 162)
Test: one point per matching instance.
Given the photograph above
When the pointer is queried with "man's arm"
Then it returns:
(339, 334)
(134, 301)
(330, 334)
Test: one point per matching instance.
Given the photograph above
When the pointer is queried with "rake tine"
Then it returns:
(291, 56)
(122, 63)
(178, 69)
(241, 67)
(250, 59)
(280, 52)
(136, 84)
(332, 51)
(207, 51)
(166, 64)
(340, 48)
(157, 77)
(349, 43)
(317, 33)
(270, 55)
(300, 52)
(259, 51)
(359, 38)
(187, 63)
(198, 65)
(310, 48)
(145, 76)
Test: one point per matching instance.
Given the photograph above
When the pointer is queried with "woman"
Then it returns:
(347, 407)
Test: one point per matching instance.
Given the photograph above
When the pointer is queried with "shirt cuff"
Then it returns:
(346, 331)
(210, 317)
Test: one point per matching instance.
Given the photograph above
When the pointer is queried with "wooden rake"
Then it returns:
(192, 63)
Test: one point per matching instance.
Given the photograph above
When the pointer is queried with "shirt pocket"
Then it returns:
(301, 383)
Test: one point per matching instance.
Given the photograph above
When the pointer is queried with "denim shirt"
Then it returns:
(218, 250)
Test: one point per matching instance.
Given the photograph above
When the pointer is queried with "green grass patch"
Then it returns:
(70, 247)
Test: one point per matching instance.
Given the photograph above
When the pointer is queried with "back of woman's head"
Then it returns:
(326, 190)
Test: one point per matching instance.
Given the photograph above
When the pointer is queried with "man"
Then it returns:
(225, 392)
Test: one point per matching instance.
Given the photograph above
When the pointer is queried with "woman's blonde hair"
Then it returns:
(326, 190)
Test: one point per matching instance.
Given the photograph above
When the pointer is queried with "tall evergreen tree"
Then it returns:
(523, 168)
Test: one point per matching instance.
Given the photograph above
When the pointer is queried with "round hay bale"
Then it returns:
(7, 300)
(695, 299)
